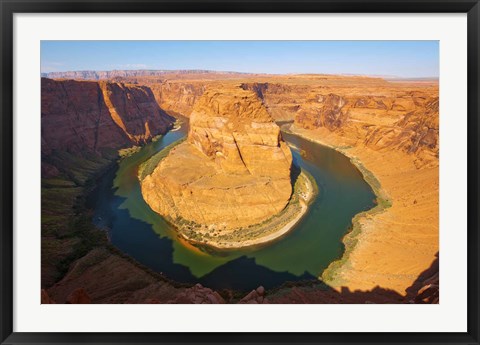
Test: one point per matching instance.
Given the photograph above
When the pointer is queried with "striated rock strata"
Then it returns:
(79, 116)
(407, 121)
(232, 172)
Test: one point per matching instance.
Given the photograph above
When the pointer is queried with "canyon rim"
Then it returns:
(175, 185)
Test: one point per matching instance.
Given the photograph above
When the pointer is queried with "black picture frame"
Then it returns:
(9, 8)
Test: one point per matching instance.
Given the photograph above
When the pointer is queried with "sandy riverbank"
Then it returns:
(271, 236)
(391, 245)
(278, 226)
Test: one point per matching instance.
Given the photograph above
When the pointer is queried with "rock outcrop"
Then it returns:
(178, 97)
(45, 298)
(330, 112)
(197, 295)
(254, 297)
(103, 277)
(79, 116)
(79, 296)
(232, 172)
(406, 121)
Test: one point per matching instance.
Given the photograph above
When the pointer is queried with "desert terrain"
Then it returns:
(389, 130)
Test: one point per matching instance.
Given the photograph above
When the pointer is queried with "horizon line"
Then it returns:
(250, 73)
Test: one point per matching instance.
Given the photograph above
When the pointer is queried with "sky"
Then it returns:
(407, 59)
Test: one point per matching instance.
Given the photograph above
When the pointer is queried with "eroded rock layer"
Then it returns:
(80, 116)
(93, 120)
(232, 172)
(407, 121)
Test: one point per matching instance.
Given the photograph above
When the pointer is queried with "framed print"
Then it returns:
(245, 172)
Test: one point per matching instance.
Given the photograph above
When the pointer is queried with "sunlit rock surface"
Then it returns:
(233, 170)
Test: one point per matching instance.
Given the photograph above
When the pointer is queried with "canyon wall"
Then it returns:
(234, 128)
(370, 111)
(364, 111)
(178, 98)
(87, 116)
(407, 121)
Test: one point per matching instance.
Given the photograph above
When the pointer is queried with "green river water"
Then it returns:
(302, 254)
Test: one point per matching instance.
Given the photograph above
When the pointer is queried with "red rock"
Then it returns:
(198, 295)
(45, 299)
(79, 296)
(260, 290)
(254, 297)
(152, 301)
(80, 116)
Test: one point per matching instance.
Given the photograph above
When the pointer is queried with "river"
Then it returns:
(302, 254)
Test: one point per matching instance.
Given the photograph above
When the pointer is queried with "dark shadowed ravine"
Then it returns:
(302, 254)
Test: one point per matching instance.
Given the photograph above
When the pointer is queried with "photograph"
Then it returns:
(239, 172)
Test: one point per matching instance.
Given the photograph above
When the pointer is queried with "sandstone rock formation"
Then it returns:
(232, 172)
(104, 277)
(197, 295)
(391, 128)
(406, 121)
(178, 98)
(330, 112)
(79, 296)
(79, 116)
(45, 298)
(254, 297)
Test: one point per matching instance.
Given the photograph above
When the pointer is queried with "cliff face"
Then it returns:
(79, 116)
(330, 111)
(178, 97)
(236, 130)
(234, 169)
(135, 111)
(364, 111)
(406, 121)
(417, 131)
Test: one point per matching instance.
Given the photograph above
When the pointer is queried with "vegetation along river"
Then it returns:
(302, 254)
